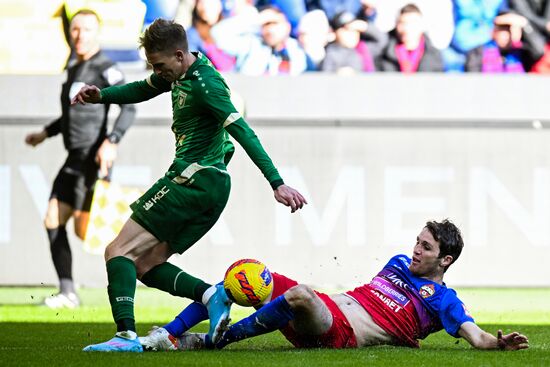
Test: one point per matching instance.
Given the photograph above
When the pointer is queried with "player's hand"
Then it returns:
(105, 156)
(290, 197)
(512, 341)
(34, 139)
(87, 94)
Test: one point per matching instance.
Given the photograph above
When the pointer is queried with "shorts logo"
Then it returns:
(159, 195)
(427, 290)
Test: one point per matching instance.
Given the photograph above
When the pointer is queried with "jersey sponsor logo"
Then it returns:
(159, 195)
(390, 303)
(181, 98)
(427, 290)
(392, 277)
(385, 287)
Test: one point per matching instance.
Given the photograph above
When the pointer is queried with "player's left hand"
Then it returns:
(105, 156)
(290, 197)
(87, 94)
(512, 341)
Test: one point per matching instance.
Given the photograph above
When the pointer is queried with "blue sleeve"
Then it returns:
(473, 23)
(453, 313)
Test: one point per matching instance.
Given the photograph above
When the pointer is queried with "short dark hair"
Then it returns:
(86, 11)
(164, 36)
(410, 8)
(449, 237)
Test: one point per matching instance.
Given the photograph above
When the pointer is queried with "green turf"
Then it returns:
(32, 335)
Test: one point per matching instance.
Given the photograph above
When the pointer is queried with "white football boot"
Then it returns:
(159, 339)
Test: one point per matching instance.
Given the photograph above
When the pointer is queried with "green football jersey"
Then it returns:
(202, 114)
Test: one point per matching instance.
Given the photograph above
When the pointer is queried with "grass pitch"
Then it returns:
(33, 335)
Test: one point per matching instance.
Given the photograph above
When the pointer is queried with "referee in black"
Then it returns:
(91, 148)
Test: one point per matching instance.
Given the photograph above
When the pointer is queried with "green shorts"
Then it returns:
(184, 204)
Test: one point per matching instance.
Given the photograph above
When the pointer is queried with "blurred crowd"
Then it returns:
(273, 37)
(290, 37)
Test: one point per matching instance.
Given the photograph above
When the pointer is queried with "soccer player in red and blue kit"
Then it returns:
(406, 301)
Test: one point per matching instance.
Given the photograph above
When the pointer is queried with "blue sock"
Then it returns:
(273, 316)
(189, 317)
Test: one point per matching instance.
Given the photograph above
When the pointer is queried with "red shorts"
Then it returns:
(340, 335)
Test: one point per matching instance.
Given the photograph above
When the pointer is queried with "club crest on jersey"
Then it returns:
(427, 290)
(181, 98)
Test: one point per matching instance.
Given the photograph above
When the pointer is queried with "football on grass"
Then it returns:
(248, 282)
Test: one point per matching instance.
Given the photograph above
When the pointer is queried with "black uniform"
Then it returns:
(84, 128)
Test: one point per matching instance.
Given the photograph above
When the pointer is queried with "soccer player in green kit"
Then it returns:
(186, 202)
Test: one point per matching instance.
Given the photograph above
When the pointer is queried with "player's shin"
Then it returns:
(121, 274)
(169, 278)
(189, 317)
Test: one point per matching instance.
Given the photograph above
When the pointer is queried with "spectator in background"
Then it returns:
(514, 48)
(313, 35)
(349, 53)
(261, 43)
(91, 150)
(205, 15)
(473, 27)
(409, 49)
(294, 10)
(538, 14)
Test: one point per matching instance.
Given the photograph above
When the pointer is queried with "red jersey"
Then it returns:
(410, 307)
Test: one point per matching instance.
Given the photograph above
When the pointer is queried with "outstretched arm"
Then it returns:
(481, 339)
(135, 92)
(218, 103)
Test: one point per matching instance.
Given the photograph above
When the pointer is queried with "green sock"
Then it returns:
(169, 278)
(121, 273)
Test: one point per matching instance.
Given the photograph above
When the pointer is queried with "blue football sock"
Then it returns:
(273, 316)
(189, 317)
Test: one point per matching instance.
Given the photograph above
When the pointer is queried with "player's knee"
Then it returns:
(112, 250)
(143, 266)
(300, 296)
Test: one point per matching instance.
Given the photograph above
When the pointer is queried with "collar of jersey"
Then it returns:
(198, 61)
